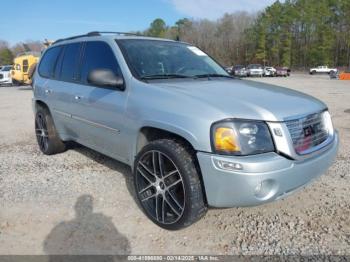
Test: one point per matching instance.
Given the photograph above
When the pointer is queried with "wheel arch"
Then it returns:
(149, 133)
(40, 103)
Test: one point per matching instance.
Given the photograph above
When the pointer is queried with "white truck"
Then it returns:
(322, 70)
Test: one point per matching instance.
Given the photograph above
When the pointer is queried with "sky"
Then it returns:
(23, 20)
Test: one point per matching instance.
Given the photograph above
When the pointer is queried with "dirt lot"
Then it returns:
(46, 201)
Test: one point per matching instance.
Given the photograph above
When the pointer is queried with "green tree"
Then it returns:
(181, 26)
(6, 56)
(157, 28)
(260, 54)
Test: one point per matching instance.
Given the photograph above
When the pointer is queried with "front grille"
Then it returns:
(308, 132)
(1, 76)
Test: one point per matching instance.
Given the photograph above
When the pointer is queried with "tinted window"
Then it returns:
(70, 62)
(98, 55)
(48, 62)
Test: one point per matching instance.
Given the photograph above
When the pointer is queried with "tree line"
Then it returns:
(293, 33)
(8, 53)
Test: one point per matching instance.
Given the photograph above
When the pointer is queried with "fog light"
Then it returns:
(227, 165)
(265, 189)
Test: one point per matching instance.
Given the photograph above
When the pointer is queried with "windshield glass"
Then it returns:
(5, 68)
(237, 67)
(165, 59)
(255, 66)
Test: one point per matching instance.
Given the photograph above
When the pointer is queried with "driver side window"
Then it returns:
(98, 55)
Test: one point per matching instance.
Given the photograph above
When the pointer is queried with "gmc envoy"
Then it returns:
(194, 136)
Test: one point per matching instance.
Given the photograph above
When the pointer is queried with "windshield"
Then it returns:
(153, 59)
(5, 68)
(255, 66)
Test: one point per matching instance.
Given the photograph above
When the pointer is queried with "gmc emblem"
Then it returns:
(308, 131)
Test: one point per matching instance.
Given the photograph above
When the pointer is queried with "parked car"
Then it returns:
(281, 71)
(229, 69)
(255, 70)
(5, 75)
(322, 70)
(334, 75)
(269, 71)
(239, 70)
(288, 70)
(194, 136)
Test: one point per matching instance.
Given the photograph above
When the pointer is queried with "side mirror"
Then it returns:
(105, 78)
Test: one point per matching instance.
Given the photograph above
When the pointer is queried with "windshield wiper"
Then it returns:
(163, 76)
(211, 75)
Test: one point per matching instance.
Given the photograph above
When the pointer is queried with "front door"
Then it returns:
(99, 112)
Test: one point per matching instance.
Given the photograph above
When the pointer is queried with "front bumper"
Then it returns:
(262, 178)
(5, 81)
(256, 73)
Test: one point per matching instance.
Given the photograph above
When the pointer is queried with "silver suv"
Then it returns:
(194, 136)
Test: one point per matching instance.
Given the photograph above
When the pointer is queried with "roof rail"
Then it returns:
(93, 33)
(115, 33)
(76, 36)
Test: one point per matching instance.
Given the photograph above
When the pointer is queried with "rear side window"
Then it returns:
(98, 55)
(48, 62)
(70, 62)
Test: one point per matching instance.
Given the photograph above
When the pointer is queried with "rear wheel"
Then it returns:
(167, 184)
(46, 135)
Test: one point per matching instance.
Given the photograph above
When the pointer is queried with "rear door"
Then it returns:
(46, 70)
(61, 87)
(99, 111)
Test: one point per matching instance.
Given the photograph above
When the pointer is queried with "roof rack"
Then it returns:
(94, 33)
(114, 33)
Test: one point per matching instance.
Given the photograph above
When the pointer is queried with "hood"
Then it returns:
(246, 99)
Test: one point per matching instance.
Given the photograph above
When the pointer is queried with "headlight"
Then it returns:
(241, 137)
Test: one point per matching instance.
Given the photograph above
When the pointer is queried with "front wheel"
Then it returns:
(167, 184)
(15, 82)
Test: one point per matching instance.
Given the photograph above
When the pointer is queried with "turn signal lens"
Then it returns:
(225, 140)
(240, 137)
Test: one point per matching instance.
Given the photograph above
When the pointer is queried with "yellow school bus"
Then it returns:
(22, 65)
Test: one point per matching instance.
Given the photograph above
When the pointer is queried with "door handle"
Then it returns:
(78, 97)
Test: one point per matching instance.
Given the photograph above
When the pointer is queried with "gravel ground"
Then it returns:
(46, 202)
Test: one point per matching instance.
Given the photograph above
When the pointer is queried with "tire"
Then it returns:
(15, 82)
(167, 184)
(46, 135)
